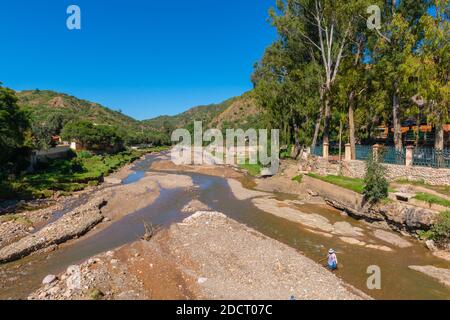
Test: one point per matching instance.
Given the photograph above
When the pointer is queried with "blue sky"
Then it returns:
(145, 57)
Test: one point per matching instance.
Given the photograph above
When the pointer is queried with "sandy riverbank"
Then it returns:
(104, 205)
(208, 256)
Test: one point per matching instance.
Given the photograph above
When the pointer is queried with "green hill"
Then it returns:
(237, 112)
(44, 104)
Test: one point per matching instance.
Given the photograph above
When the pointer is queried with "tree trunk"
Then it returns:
(439, 146)
(397, 123)
(351, 123)
(297, 148)
(317, 128)
(340, 146)
(326, 127)
(439, 138)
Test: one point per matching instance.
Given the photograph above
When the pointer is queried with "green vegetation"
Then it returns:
(95, 294)
(376, 187)
(50, 111)
(66, 176)
(432, 199)
(14, 133)
(440, 230)
(327, 76)
(353, 184)
(298, 178)
(253, 169)
(19, 218)
(91, 137)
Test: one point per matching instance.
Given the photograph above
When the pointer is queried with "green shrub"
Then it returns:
(441, 228)
(298, 178)
(84, 154)
(376, 186)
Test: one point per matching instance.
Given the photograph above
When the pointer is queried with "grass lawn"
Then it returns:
(353, 184)
(432, 199)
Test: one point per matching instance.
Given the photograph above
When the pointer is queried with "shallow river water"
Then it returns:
(20, 278)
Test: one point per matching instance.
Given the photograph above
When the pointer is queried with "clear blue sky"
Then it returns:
(145, 57)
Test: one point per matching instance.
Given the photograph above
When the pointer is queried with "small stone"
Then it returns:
(431, 245)
(72, 269)
(110, 253)
(202, 280)
(49, 279)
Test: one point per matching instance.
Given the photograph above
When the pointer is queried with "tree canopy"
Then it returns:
(14, 130)
(328, 75)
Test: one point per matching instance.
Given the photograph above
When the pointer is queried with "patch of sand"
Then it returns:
(242, 193)
(440, 274)
(210, 170)
(170, 181)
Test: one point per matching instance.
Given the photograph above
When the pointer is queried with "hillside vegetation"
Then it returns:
(42, 105)
(237, 112)
(45, 106)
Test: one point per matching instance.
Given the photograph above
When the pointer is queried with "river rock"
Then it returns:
(431, 245)
(346, 229)
(442, 275)
(111, 180)
(49, 279)
(202, 280)
(70, 226)
(377, 247)
(280, 209)
(73, 281)
(353, 241)
(403, 214)
(392, 238)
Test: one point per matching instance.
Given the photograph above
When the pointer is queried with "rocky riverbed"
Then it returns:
(107, 204)
(207, 256)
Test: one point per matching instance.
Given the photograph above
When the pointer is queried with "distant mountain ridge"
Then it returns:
(42, 104)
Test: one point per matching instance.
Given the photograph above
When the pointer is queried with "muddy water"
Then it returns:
(18, 279)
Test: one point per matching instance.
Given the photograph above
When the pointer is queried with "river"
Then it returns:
(18, 279)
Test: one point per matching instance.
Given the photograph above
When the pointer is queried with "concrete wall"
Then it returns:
(342, 198)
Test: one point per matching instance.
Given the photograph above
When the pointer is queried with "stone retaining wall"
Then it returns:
(357, 169)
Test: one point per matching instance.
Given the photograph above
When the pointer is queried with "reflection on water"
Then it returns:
(18, 279)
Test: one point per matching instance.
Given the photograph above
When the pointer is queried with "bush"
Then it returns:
(376, 186)
(441, 228)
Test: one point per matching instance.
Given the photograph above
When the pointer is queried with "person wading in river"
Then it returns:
(332, 260)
